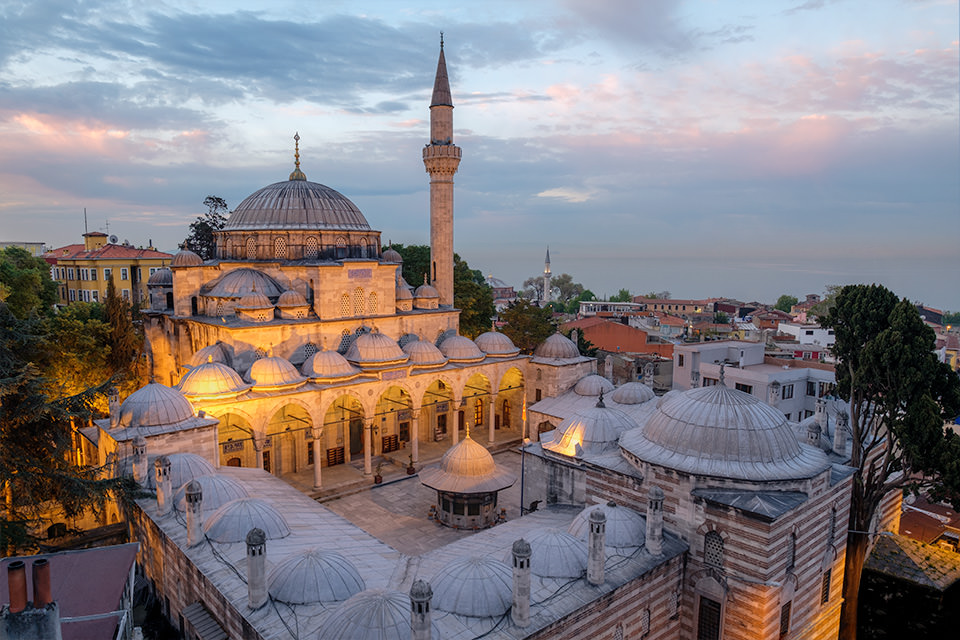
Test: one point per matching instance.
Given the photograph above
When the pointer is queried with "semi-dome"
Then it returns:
(186, 258)
(154, 405)
(162, 277)
(234, 284)
(494, 343)
(232, 521)
(477, 587)
(557, 347)
(721, 432)
(212, 379)
(296, 204)
(214, 352)
(461, 349)
(593, 385)
(424, 354)
(632, 393)
(314, 576)
(391, 255)
(467, 467)
(328, 364)
(185, 467)
(375, 348)
(291, 298)
(557, 554)
(591, 431)
(625, 527)
(274, 372)
(217, 491)
(374, 614)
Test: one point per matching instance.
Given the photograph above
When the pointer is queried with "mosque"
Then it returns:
(701, 514)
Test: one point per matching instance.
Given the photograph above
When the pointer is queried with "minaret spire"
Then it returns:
(546, 278)
(441, 158)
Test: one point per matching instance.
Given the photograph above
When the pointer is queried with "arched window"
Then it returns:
(478, 412)
(713, 549)
(345, 305)
(363, 247)
(505, 412)
(341, 247)
(251, 249)
(345, 339)
(359, 302)
(792, 552)
(312, 250)
(374, 303)
(260, 353)
(280, 248)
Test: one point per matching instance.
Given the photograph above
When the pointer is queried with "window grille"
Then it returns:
(345, 305)
(309, 349)
(260, 353)
(313, 249)
(359, 302)
(825, 588)
(374, 303)
(363, 247)
(251, 249)
(784, 620)
(280, 248)
(708, 622)
(341, 247)
(713, 549)
(345, 339)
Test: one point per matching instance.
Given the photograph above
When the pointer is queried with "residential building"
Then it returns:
(36, 249)
(808, 334)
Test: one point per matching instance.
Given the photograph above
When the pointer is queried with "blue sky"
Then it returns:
(744, 149)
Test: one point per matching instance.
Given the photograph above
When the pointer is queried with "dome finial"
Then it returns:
(722, 365)
(600, 404)
(441, 41)
(297, 174)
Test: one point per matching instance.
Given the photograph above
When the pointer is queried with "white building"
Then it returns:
(809, 334)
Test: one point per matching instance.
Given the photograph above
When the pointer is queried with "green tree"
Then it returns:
(566, 288)
(25, 283)
(574, 305)
(584, 346)
(38, 474)
(124, 340)
(823, 307)
(952, 318)
(527, 325)
(76, 351)
(785, 302)
(532, 288)
(721, 318)
(474, 297)
(623, 295)
(658, 295)
(416, 262)
(900, 396)
(201, 239)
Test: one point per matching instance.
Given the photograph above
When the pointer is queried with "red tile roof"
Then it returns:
(106, 252)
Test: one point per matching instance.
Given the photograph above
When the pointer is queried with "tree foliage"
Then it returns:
(584, 346)
(416, 262)
(532, 288)
(785, 303)
(527, 325)
(474, 297)
(951, 317)
(623, 295)
(658, 295)
(565, 287)
(721, 317)
(25, 283)
(900, 397)
(201, 239)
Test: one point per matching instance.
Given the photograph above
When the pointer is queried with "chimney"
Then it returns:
(520, 612)
(41, 584)
(813, 434)
(840, 434)
(596, 552)
(113, 404)
(17, 585)
(420, 595)
(140, 468)
(164, 485)
(773, 395)
(256, 568)
(654, 537)
(608, 367)
(194, 500)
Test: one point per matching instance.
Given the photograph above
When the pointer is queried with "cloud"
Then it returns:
(566, 193)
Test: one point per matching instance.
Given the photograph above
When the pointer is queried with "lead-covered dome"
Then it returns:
(162, 277)
(494, 343)
(458, 348)
(424, 354)
(186, 258)
(375, 348)
(632, 393)
(328, 364)
(467, 467)
(374, 614)
(314, 576)
(557, 554)
(217, 490)
(557, 347)
(154, 405)
(274, 373)
(722, 432)
(296, 204)
(625, 527)
(593, 385)
(476, 587)
(232, 521)
(591, 431)
(234, 284)
(212, 379)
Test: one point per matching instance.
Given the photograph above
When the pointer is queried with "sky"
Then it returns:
(702, 147)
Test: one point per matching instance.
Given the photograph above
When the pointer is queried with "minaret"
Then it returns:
(441, 158)
(546, 279)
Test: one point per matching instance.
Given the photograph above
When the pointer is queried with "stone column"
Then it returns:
(256, 568)
(164, 485)
(140, 469)
(194, 507)
(520, 612)
(317, 453)
(491, 418)
(415, 434)
(367, 446)
(259, 442)
(596, 552)
(455, 421)
(420, 595)
(654, 537)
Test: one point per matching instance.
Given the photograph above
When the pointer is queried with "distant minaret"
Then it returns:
(546, 279)
(441, 158)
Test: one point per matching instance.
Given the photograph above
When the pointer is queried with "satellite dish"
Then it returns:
(114, 239)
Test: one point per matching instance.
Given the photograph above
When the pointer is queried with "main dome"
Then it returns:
(296, 204)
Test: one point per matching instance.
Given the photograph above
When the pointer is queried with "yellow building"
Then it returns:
(82, 270)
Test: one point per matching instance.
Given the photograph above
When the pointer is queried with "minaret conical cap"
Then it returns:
(441, 85)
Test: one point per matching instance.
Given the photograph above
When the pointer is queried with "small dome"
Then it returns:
(274, 372)
(186, 258)
(253, 300)
(632, 393)
(461, 349)
(154, 405)
(467, 467)
(212, 379)
(314, 576)
(185, 467)
(214, 352)
(722, 432)
(328, 364)
(475, 587)
(426, 291)
(375, 348)
(625, 527)
(234, 284)
(494, 343)
(404, 293)
(217, 491)
(593, 385)
(291, 298)
(669, 394)
(162, 277)
(557, 554)
(557, 347)
(232, 521)
(594, 431)
(296, 204)
(424, 354)
(374, 614)
(391, 255)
